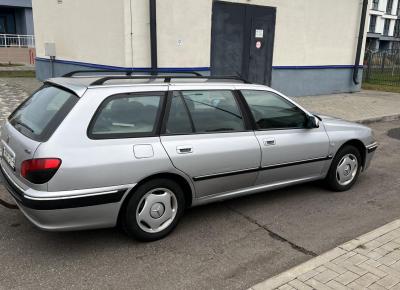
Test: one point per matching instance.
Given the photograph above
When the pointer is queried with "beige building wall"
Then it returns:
(116, 33)
(90, 31)
(308, 33)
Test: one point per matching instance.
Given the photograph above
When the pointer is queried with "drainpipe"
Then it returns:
(360, 42)
(52, 59)
(153, 36)
(131, 38)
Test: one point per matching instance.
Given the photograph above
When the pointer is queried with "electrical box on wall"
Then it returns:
(50, 49)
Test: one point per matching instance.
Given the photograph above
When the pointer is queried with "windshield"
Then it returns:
(39, 116)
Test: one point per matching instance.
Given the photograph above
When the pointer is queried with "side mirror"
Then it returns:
(313, 122)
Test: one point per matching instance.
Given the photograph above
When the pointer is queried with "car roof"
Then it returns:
(79, 85)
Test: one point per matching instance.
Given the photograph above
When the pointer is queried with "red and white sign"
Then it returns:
(258, 44)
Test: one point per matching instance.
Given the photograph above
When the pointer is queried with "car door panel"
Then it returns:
(295, 154)
(217, 162)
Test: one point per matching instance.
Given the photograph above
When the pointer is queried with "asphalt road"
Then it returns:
(229, 245)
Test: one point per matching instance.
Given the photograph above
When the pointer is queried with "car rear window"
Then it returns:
(40, 115)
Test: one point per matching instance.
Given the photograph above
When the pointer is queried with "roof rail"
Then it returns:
(129, 72)
(167, 78)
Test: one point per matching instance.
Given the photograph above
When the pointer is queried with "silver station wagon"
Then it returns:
(94, 150)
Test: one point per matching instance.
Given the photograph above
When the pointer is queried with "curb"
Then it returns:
(289, 275)
(379, 119)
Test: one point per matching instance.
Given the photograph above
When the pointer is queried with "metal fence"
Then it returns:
(17, 40)
(382, 67)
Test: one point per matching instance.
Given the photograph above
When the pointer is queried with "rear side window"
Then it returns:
(127, 116)
(204, 112)
(40, 115)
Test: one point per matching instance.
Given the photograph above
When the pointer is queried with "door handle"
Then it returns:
(184, 149)
(269, 141)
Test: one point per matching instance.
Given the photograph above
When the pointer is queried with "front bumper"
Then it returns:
(72, 210)
(370, 151)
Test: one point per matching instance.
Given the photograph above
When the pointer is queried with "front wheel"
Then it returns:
(153, 210)
(345, 169)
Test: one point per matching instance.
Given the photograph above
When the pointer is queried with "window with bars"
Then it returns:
(386, 27)
(375, 4)
(372, 24)
(389, 6)
(396, 32)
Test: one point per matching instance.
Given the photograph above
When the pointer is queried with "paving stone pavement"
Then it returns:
(12, 92)
(27, 67)
(371, 261)
(365, 106)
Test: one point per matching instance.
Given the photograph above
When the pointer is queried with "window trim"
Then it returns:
(187, 111)
(252, 119)
(239, 102)
(157, 123)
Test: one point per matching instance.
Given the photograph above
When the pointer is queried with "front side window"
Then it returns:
(204, 112)
(39, 116)
(270, 111)
(127, 115)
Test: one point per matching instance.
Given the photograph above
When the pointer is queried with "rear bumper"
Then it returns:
(73, 210)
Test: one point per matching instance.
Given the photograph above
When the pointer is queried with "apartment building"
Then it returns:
(384, 25)
(16, 32)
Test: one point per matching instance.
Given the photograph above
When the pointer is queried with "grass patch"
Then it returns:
(10, 64)
(381, 87)
(18, 74)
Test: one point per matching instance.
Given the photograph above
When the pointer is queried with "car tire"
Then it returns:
(345, 169)
(153, 210)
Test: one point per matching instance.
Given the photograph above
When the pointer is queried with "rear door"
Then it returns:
(32, 123)
(206, 136)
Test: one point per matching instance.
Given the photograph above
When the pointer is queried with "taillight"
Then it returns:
(40, 170)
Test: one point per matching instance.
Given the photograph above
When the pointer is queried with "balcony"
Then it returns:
(17, 40)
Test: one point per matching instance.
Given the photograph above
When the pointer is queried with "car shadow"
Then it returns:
(196, 217)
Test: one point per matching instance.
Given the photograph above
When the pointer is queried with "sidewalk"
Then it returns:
(371, 261)
(365, 106)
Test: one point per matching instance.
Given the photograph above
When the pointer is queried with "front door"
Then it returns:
(206, 137)
(290, 150)
(242, 41)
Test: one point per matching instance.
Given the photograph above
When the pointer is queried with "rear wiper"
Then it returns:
(25, 126)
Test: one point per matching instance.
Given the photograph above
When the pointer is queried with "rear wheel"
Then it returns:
(153, 210)
(345, 169)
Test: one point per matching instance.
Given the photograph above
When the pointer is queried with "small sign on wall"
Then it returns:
(258, 44)
(259, 33)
